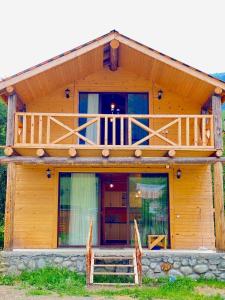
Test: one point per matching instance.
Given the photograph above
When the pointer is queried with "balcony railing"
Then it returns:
(98, 131)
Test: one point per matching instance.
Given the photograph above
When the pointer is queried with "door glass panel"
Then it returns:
(138, 104)
(149, 204)
(78, 205)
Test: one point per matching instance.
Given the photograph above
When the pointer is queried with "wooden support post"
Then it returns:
(217, 114)
(219, 206)
(114, 54)
(9, 206)
(12, 99)
(105, 153)
(72, 152)
(41, 152)
(20, 106)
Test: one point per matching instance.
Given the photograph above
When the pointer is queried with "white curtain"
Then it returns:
(92, 108)
(83, 208)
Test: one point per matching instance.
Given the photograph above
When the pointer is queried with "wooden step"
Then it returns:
(113, 257)
(113, 273)
(119, 266)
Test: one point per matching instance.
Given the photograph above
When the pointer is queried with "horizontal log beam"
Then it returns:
(110, 160)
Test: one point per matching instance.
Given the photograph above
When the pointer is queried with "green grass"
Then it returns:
(64, 282)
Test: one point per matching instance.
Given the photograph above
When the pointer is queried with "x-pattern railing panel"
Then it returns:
(105, 130)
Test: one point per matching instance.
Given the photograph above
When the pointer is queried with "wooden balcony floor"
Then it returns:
(116, 152)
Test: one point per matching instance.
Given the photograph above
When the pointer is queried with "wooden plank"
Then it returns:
(24, 133)
(48, 130)
(40, 130)
(219, 206)
(16, 130)
(32, 129)
(204, 131)
(9, 206)
(217, 114)
(195, 131)
(12, 99)
(113, 130)
(106, 131)
(121, 131)
(187, 131)
(179, 132)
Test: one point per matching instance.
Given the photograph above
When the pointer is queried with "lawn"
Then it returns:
(53, 281)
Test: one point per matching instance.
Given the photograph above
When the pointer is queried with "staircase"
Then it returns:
(105, 264)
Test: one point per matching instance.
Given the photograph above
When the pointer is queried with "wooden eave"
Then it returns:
(30, 82)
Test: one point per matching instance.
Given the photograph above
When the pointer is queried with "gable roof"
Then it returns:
(100, 41)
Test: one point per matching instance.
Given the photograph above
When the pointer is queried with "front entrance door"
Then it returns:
(115, 229)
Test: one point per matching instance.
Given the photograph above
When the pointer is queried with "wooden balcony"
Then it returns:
(62, 131)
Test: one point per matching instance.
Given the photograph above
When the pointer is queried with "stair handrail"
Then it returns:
(138, 251)
(89, 253)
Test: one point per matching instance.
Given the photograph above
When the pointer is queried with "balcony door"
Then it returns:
(113, 104)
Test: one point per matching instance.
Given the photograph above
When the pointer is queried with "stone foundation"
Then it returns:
(189, 263)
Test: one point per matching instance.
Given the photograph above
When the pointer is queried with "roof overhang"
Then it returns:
(95, 44)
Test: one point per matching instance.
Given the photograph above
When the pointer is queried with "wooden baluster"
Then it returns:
(203, 131)
(16, 129)
(48, 130)
(106, 132)
(24, 136)
(121, 131)
(40, 130)
(129, 131)
(98, 129)
(179, 132)
(195, 131)
(211, 131)
(32, 129)
(113, 130)
(187, 131)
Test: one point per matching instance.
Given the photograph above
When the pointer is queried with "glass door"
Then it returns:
(149, 204)
(78, 205)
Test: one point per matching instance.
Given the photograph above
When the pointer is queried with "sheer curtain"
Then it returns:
(92, 108)
(83, 208)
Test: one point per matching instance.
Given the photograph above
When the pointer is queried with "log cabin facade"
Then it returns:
(113, 131)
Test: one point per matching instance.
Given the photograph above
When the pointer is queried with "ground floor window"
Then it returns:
(112, 202)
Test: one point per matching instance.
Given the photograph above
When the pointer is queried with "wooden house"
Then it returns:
(113, 131)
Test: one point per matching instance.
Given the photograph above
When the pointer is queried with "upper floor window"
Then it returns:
(113, 104)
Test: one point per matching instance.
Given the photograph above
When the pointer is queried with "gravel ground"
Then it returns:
(13, 293)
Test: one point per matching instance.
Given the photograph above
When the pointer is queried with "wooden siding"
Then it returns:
(191, 206)
(36, 208)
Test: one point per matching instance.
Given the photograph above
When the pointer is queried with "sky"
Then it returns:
(35, 30)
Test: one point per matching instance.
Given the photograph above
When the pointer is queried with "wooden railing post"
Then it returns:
(138, 251)
(89, 256)
(12, 102)
(219, 206)
(217, 114)
(9, 206)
